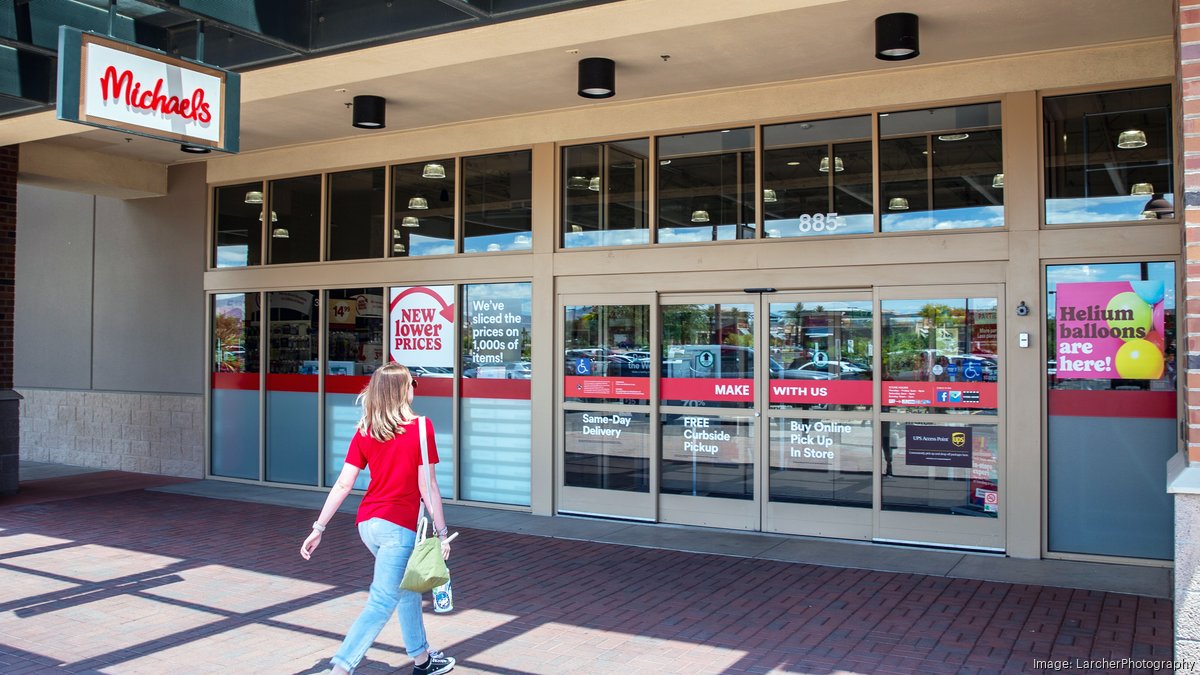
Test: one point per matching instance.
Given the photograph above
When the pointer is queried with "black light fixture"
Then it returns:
(195, 149)
(597, 77)
(896, 37)
(369, 112)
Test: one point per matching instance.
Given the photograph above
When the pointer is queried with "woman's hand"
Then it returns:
(445, 549)
(312, 542)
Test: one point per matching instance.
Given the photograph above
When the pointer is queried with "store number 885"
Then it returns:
(818, 222)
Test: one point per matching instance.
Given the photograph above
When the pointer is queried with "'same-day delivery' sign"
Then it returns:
(1110, 330)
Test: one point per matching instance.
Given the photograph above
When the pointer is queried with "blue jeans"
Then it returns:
(391, 545)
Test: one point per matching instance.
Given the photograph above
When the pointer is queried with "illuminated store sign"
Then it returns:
(111, 84)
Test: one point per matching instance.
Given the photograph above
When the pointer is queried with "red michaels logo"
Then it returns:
(195, 108)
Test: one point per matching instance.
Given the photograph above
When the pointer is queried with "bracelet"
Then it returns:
(318, 527)
(442, 533)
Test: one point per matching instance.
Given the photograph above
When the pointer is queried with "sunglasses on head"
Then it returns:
(414, 383)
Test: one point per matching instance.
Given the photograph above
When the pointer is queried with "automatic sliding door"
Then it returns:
(708, 422)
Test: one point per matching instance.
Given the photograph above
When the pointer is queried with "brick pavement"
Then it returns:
(149, 582)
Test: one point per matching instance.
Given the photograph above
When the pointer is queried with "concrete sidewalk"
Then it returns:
(159, 581)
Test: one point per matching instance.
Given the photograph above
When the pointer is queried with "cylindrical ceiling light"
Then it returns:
(597, 77)
(1141, 190)
(280, 233)
(418, 203)
(699, 216)
(896, 37)
(594, 184)
(369, 112)
(410, 221)
(1131, 138)
(433, 170)
(769, 196)
(254, 197)
(898, 204)
(998, 180)
(838, 165)
(397, 248)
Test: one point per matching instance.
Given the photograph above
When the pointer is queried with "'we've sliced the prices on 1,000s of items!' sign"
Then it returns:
(1110, 330)
(113, 84)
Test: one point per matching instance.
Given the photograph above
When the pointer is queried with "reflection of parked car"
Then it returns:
(846, 370)
(431, 371)
(235, 351)
(520, 370)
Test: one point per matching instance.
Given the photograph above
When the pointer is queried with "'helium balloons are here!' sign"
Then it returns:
(1110, 330)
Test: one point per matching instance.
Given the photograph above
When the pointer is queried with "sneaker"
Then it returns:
(437, 663)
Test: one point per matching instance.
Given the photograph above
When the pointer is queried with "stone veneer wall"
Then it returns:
(147, 433)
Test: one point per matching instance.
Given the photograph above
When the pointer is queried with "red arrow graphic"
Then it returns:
(447, 311)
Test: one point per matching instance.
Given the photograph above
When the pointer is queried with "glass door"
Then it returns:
(820, 415)
(941, 416)
(708, 419)
(608, 428)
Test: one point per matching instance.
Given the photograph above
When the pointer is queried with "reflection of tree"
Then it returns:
(683, 324)
(228, 330)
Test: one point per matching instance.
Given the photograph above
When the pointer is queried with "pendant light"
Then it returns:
(369, 112)
(418, 203)
(1131, 138)
(838, 166)
(1141, 190)
(396, 233)
(954, 137)
(397, 248)
(577, 183)
(896, 37)
(410, 221)
(594, 184)
(280, 233)
(898, 204)
(254, 197)
(769, 196)
(433, 170)
(597, 78)
(998, 181)
(699, 216)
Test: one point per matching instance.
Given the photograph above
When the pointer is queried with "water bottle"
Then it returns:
(443, 598)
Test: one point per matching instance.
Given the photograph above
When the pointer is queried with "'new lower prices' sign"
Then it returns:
(421, 326)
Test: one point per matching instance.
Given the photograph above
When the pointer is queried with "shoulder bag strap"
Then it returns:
(425, 466)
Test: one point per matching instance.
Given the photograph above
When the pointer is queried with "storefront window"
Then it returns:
(496, 420)
(1109, 156)
(941, 468)
(496, 202)
(295, 220)
(355, 346)
(708, 456)
(356, 214)
(708, 355)
(1112, 407)
(293, 326)
(605, 192)
(940, 355)
(235, 385)
(817, 178)
(706, 186)
(821, 461)
(941, 168)
(423, 209)
(607, 362)
(239, 225)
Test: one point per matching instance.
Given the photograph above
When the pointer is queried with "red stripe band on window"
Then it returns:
(242, 381)
(1111, 403)
(305, 384)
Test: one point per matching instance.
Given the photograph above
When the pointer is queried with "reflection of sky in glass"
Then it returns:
(790, 227)
(606, 238)
(419, 246)
(913, 307)
(1097, 209)
(508, 241)
(1155, 271)
(947, 219)
(237, 255)
(673, 235)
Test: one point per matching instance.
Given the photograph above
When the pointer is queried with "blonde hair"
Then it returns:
(385, 402)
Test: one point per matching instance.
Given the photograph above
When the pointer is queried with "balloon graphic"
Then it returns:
(1149, 291)
(1139, 360)
(1159, 317)
(1133, 314)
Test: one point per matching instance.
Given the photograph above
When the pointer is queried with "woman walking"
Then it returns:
(389, 441)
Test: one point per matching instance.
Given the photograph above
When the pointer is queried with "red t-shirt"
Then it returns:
(393, 494)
